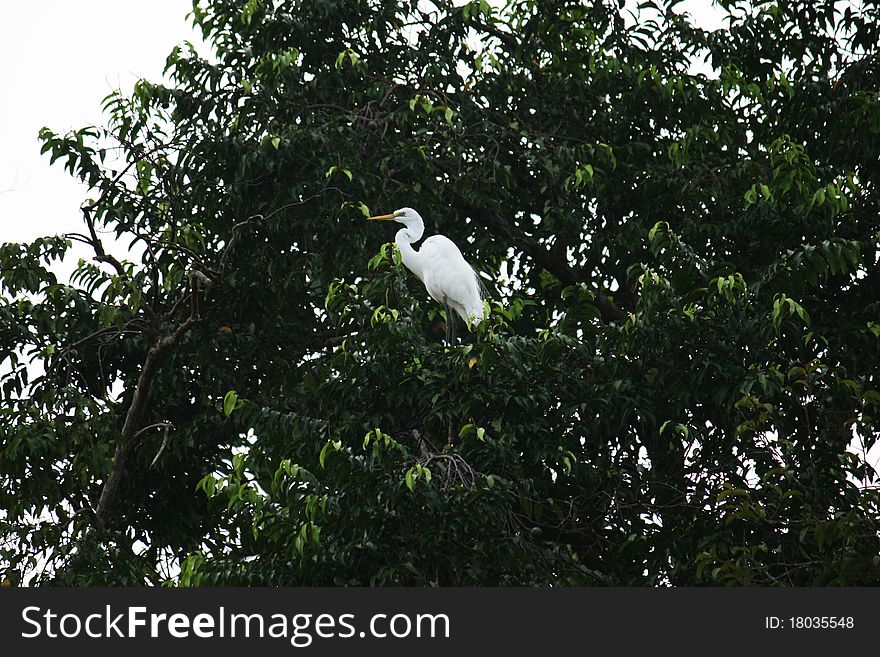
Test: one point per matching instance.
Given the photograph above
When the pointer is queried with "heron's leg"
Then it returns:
(450, 325)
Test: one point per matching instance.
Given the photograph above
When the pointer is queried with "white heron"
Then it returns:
(447, 276)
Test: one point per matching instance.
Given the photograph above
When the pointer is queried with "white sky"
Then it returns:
(60, 58)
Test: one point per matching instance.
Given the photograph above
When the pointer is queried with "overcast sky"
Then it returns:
(58, 60)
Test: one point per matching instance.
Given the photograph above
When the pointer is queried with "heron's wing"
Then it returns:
(449, 279)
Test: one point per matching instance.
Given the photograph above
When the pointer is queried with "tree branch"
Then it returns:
(140, 400)
(136, 410)
(507, 39)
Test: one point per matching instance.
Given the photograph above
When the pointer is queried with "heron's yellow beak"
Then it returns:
(383, 217)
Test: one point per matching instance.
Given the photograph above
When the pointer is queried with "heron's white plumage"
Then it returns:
(449, 279)
(439, 264)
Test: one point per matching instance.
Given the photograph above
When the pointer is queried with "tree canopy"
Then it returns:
(677, 383)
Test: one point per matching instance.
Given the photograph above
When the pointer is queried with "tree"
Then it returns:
(677, 382)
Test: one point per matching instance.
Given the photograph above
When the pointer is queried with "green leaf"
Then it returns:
(144, 174)
(229, 402)
(324, 450)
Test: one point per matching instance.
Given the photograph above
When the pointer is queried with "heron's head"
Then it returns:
(406, 216)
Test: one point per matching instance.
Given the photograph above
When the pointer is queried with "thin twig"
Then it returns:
(163, 446)
(157, 425)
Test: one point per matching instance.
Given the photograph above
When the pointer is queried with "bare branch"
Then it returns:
(157, 425)
(163, 446)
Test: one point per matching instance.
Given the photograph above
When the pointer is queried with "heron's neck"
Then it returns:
(404, 240)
